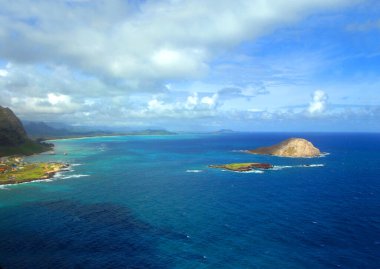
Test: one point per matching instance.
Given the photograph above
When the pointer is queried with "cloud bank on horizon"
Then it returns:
(190, 65)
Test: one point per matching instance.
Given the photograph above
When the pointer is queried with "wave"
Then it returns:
(280, 167)
(313, 165)
(75, 176)
(193, 171)
(244, 172)
(76, 164)
(252, 172)
(5, 186)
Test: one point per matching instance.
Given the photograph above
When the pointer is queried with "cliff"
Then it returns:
(13, 138)
(292, 147)
(12, 132)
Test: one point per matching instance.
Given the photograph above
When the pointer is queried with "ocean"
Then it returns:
(152, 202)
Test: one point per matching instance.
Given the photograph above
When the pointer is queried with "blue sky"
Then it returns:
(193, 65)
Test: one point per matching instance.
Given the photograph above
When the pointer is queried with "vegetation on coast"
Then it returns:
(14, 170)
(242, 167)
(27, 148)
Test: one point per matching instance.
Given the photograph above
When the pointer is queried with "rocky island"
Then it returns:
(242, 167)
(292, 147)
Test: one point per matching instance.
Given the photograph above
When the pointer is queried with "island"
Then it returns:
(14, 170)
(242, 167)
(292, 147)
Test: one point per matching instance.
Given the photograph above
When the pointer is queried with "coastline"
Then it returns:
(99, 136)
(82, 137)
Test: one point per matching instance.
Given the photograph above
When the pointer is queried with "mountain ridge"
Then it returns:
(13, 137)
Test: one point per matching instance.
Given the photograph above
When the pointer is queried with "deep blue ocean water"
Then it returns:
(152, 202)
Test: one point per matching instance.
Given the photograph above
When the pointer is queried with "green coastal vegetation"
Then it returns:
(14, 170)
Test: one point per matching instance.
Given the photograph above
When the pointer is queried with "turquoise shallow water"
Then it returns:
(151, 202)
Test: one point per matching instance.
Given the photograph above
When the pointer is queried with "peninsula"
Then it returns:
(292, 147)
(15, 143)
(14, 170)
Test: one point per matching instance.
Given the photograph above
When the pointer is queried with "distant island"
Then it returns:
(223, 131)
(292, 147)
(242, 167)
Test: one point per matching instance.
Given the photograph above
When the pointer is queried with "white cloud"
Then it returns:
(58, 99)
(53, 103)
(156, 40)
(193, 106)
(318, 103)
(106, 63)
(210, 101)
(3, 73)
(192, 101)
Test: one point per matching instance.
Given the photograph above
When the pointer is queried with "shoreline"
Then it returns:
(98, 136)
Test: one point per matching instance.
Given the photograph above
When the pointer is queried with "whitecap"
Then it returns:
(313, 165)
(75, 176)
(193, 171)
(323, 154)
(280, 167)
(58, 174)
(76, 164)
(39, 180)
(4, 187)
(251, 172)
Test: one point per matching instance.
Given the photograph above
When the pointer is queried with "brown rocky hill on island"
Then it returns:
(292, 147)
